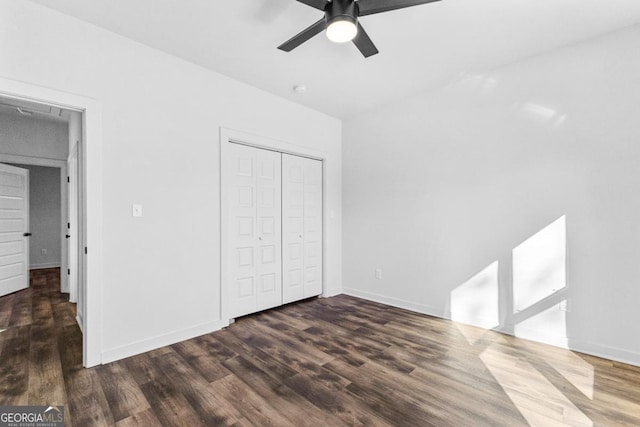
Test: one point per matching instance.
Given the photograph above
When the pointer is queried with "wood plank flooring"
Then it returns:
(324, 362)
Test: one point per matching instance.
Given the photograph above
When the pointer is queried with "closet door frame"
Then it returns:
(230, 136)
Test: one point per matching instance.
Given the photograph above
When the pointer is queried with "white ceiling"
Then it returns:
(421, 48)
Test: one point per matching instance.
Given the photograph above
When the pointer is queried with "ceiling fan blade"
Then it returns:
(316, 4)
(303, 36)
(364, 43)
(369, 7)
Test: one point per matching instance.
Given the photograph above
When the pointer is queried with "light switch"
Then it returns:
(136, 210)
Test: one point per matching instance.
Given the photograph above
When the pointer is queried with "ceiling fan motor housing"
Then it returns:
(341, 10)
(340, 21)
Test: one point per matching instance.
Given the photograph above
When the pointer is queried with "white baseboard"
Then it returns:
(331, 293)
(44, 265)
(543, 337)
(593, 349)
(580, 346)
(396, 302)
(122, 352)
(605, 352)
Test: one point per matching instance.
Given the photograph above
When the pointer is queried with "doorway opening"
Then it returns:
(42, 214)
(46, 222)
(91, 264)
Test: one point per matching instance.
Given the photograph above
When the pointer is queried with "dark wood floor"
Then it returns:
(324, 362)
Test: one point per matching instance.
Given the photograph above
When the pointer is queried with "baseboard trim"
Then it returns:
(142, 346)
(535, 335)
(592, 349)
(396, 302)
(579, 346)
(45, 265)
(331, 293)
(605, 352)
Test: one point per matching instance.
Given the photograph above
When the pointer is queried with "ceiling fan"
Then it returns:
(341, 21)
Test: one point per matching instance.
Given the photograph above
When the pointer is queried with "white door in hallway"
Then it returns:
(301, 227)
(251, 235)
(14, 227)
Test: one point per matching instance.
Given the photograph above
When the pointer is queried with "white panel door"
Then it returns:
(312, 236)
(292, 228)
(301, 227)
(14, 224)
(252, 232)
(269, 229)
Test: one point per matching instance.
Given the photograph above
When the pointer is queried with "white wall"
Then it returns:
(44, 216)
(161, 119)
(32, 137)
(481, 201)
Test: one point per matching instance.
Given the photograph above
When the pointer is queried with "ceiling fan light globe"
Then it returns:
(341, 30)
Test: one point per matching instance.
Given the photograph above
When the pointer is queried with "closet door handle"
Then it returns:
(27, 234)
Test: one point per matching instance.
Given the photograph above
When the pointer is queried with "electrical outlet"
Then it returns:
(136, 210)
(565, 305)
(378, 273)
(43, 251)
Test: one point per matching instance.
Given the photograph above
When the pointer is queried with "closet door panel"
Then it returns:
(302, 227)
(269, 214)
(292, 228)
(240, 231)
(312, 236)
(252, 238)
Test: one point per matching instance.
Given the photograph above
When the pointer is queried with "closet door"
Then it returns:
(312, 223)
(292, 228)
(301, 228)
(251, 182)
(269, 227)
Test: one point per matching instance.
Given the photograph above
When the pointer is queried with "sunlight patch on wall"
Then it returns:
(539, 265)
(548, 326)
(542, 114)
(525, 385)
(476, 301)
(477, 82)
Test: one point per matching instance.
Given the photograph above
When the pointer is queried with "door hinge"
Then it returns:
(68, 271)
(68, 225)
(85, 250)
(68, 180)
